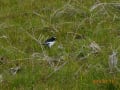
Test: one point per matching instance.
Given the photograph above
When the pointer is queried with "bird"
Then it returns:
(50, 42)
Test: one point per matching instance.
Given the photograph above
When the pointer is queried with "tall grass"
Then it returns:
(87, 33)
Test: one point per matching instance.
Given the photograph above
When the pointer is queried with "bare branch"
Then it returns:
(100, 4)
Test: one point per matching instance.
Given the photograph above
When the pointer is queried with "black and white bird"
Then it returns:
(50, 42)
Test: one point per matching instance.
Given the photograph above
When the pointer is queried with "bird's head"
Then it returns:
(54, 38)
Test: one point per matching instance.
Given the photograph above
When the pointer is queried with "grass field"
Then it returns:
(70, 64)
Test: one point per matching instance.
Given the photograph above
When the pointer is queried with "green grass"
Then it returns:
(65, 19)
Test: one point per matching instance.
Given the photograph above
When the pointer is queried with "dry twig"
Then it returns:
(113, 62)
(57, 69)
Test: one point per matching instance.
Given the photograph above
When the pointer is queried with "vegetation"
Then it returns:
(71, 64)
